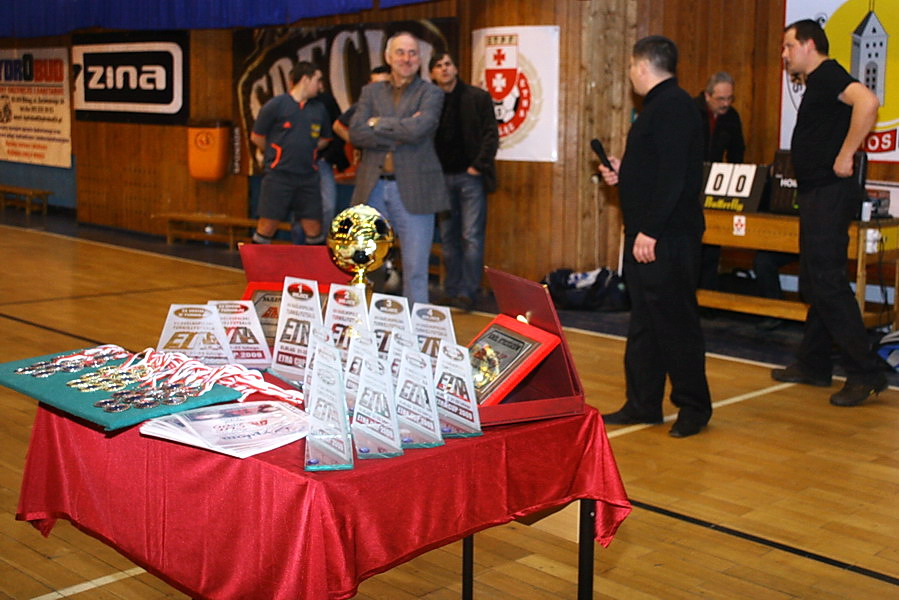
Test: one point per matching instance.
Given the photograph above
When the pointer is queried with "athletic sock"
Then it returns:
(258, 238)
(315, 241)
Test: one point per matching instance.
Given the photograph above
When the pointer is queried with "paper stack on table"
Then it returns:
(239, 429)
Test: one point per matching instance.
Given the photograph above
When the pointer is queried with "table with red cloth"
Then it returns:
(262, 527)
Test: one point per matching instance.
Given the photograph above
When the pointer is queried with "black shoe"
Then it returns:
(795, 374)
(624, 418)
(463, 303)
(682, 429)
(854, 393)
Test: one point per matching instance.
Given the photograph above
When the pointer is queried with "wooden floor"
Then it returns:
(783, 496)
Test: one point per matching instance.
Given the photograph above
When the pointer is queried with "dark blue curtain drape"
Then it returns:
(37, 18)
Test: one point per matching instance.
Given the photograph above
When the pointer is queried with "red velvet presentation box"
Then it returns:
(266, 266)
(553, 388)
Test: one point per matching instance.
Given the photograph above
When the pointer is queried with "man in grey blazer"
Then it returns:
(399, 174)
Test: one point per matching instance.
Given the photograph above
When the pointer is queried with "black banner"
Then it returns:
(134, 77)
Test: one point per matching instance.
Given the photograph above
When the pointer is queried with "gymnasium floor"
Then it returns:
(783, 496)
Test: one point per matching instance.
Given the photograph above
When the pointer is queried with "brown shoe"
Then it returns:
(795, 374)
(854, 393)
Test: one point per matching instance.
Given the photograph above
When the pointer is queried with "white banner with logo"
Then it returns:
(519, 66)
(35, 122)
(864, 39)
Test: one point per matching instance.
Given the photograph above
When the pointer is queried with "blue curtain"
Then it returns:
(35, 18)
(392, 3)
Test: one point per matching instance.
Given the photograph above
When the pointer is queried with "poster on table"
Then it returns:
(35, 122)
(519, 67)
(864, 39)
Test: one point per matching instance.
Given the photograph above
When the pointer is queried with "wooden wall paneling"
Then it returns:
(762, 121)
(544, 215)
(608, 32)
(127, 172)
(213, 98)
(525, 213)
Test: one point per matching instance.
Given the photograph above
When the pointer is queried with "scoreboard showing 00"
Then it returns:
(734, 187)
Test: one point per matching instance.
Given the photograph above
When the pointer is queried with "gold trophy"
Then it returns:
(359, 239)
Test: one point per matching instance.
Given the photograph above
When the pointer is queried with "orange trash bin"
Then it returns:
(207, 149)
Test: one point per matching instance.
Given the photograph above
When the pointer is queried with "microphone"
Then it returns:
(596, 145)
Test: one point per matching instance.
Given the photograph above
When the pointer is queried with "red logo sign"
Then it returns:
(501, 65)
(881, 141)
(300, 291)
(346, 298)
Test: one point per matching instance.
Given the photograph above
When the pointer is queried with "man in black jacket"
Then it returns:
(659, 180)
(722, 140)
(466, 142)
(722, 128)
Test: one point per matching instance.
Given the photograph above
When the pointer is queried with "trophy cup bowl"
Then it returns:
(359, 239)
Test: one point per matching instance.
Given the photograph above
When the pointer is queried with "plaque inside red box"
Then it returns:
(552, 388)
(504, 353)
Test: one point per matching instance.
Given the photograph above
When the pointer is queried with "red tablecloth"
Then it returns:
(262, 527)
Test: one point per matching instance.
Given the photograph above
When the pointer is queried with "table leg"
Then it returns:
(896, 297)
(468, 568)
(586, 533)
(861, 273)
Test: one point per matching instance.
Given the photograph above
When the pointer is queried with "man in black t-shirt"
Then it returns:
(835, 115)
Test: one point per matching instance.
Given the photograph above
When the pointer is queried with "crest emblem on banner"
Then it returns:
(501, 65)
(519, 68)
(507, 82)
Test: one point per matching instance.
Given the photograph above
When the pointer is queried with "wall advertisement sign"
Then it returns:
(864, 39)
(35, 122)
(137, 77)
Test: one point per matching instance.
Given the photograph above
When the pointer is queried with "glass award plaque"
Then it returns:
(196, 331)
(244, 333)
(329, 445)
(345, 314)
(375, 426)
(432, 324)
(386, 314)
(457, 404)
(400, 341)
(503, 353)
(362, 350)
(317, 336)
(300, 311)
(416, 405)
(266, 299)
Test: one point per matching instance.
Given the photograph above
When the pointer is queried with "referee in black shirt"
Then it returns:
(659, 180)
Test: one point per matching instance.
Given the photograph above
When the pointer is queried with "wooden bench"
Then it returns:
(223, 228)
(28, 198)
(780, 233)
